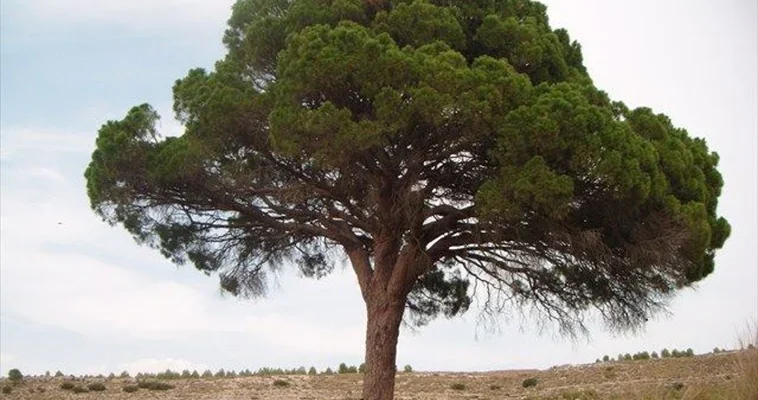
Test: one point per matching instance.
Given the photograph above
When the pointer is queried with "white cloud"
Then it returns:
(153, 365)
(140, 15)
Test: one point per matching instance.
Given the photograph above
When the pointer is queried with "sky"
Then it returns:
(79, 296)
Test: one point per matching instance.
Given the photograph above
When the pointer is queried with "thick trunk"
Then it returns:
(382, 329)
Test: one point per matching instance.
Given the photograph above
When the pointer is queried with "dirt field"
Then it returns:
(708, 377)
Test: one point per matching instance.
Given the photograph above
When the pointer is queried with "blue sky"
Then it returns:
(81, 297)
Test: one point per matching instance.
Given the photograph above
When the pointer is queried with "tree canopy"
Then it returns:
(463, 138)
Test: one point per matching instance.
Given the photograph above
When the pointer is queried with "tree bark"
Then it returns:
(385, 314)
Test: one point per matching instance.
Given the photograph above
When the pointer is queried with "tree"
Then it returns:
(606, 358)
(472, 147)
(665, 353)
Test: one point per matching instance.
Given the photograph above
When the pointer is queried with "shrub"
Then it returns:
(606, 358)
(111, 376)
(79, 389)
(207, 374)
(495, 387)
(362, 368)
(96, 387)
(328, 371)
(342, 369)
(67, 385)
(7, 389)
(627, 357)
(407, 369)
(654, 355)
(281, 383)
(458, 386)
(529, 382)
(15, 375)
(678, 386)
(194, 375)
(154, 385)
(220, 373)
(665, 353)
(689, 353)
(312, 371)
(58, 374)
(124, 374)
(130, 388)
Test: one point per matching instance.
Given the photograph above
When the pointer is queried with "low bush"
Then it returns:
(7, 389)
(79, 389)
(281, 383)
(458, 386)
(15, 375)
(96, 387)
(407, 369)
(529, 382)
(67, 385)
(130, 388)
(154, 385)
(495, 387)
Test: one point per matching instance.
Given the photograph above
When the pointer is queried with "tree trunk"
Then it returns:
(382, 329)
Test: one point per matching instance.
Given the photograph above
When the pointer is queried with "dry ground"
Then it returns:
(707, 377)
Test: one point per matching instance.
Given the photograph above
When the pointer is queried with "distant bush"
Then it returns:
(67, 385)
(7, 389)
(15, 375)
(79, 389)
(407, 369)
(58, 374)
(96, 387)
(665, 353)
(328, 371)
(627, 357)
(362, 368)
(130, 388)
(124, 375)
(495, 387)
(344, 369)
(207, 374)
(111, 376)
(716, 350)
(529, 382)
(154, 385)
(458, 386)
(312, 371)
(220, 373)
(281, 383)
(195, 375)
(654, 355)
(606, 358)
(689, 353)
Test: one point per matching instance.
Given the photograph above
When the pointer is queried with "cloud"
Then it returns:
(139, 15)
(153, 365)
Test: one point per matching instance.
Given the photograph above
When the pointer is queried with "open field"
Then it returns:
(705, 377)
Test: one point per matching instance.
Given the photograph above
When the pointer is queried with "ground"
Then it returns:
(706, 377)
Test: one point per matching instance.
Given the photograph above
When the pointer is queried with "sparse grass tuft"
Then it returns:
(79, 389)
(747, 364)
(458, 386)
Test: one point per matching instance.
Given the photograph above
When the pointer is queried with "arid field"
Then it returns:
(724, 376)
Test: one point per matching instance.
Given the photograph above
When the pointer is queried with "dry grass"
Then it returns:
(724, 376)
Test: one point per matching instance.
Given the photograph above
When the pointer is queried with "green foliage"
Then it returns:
(207, 374)
(654, 355)
(130, 388)
(96, 387)
(220, 373)
(606, 358)
(529, 382)
(458, 386)
(58, 374)
(281, 383)
(67, 385)
(328, 371)
(124, 374)
(15, 376)
(345, 369)
(407, 369)
(665, 353)
(312, 371)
